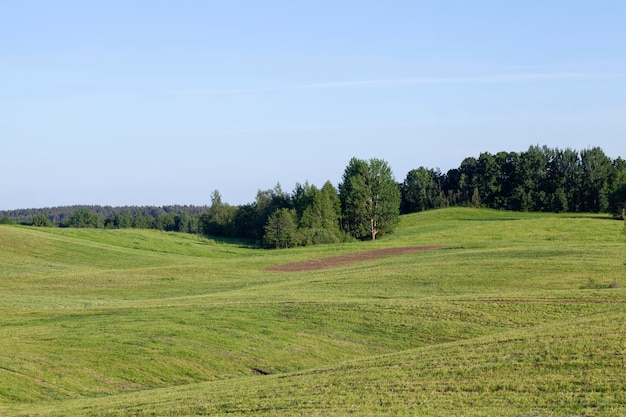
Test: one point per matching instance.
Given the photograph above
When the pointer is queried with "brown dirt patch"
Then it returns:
(349, 258)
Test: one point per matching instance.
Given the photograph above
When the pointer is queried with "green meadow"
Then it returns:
(515, 314)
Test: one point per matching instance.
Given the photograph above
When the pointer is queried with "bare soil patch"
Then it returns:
(349, 258)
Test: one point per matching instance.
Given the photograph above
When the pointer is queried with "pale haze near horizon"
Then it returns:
(157, 103)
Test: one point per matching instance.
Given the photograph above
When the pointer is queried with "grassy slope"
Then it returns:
(117, 322)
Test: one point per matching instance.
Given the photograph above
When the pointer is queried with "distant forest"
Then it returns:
(540, 179)
(170, 218)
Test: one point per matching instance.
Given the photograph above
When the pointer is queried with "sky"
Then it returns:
(162, 102)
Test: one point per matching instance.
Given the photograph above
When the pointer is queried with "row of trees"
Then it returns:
(60, 215)
(366, 206)
(540, 179)
(83, 218)
(368, 201)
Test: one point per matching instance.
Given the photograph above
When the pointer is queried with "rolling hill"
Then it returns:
(504, 314)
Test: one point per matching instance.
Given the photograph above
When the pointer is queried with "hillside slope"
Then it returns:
(516, 311)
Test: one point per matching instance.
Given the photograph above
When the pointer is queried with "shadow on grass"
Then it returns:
(241, 243)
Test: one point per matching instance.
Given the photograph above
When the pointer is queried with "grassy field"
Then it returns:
(518, 315)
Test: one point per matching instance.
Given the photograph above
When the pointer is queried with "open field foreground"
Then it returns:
(462, 312)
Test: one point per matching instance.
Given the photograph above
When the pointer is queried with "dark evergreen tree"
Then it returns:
(617, 202)
(597, 175)
(617, 198)
(563, 177)
(118, 221)
(320, 219)
(267, 202)
(185, 223)
(534, 165)
(467, 179)
(488, 180)
(506, 179)
(451, 187)
(422, 190)
(281, 230)
(302, 197)
(334, 201)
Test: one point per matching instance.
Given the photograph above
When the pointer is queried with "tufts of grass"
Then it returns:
(593, 284)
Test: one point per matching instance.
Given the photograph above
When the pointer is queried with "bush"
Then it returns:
(41, 220)
(314, 236)
(6, 220)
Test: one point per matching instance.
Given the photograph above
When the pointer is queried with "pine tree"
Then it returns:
(281, 229)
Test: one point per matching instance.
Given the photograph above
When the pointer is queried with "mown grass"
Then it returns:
(503, 321)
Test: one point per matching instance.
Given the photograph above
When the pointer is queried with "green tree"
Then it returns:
(185, 223)
(617, 197)
(140, 221)
(218, 219)
(165, 221)
(41, 220)
(421, 190)
(533, 172)
(125, 221)
(508, 179)
(451, 187)
(488, 179)
(244, 222)
(617, 203)
(598, 173)
(267, 202)
(302, 197)
(620, 172)
(467, 180)
(118, 221)
(370, 198)
(281, 230)
(334, 202)
(563, 170)
(320, 219)
(83, 218)
(7, 220)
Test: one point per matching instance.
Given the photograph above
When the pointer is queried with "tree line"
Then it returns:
(177, 218)
(368, 201)
(540, 179)
(366, 205)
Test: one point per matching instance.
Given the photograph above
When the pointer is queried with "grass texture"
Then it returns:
(518, 314)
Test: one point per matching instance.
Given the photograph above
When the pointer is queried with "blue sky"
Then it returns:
(162, 102)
